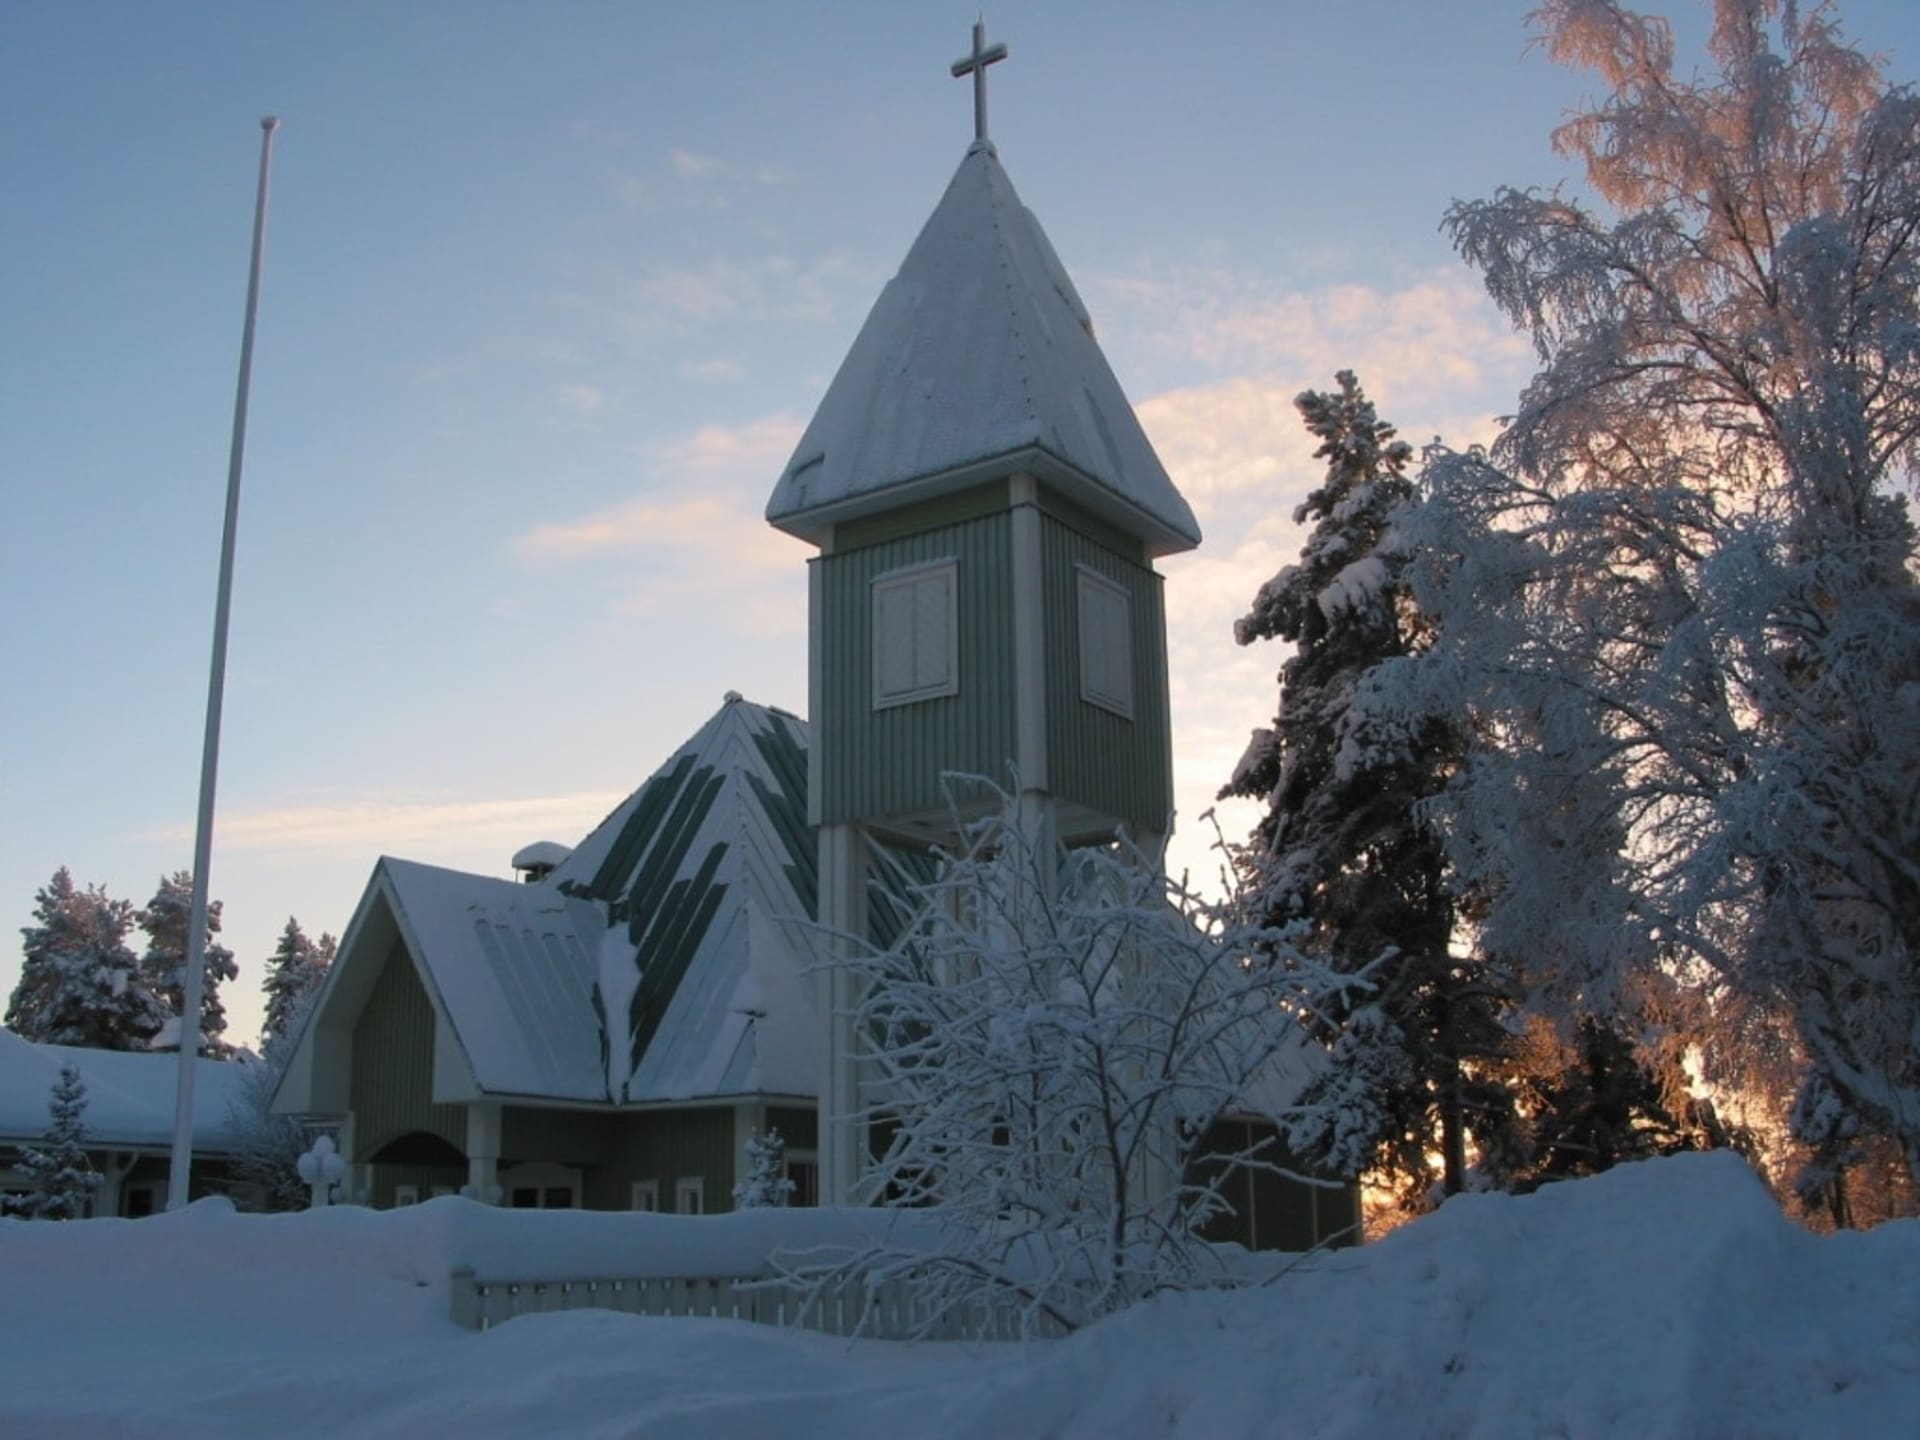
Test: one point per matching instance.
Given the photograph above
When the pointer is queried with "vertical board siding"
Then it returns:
(393, 1064)
(665, 1146)
(876, 764)
(1117, 766)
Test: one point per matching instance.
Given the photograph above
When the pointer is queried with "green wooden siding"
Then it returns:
(566, 1137)
(941, 510)
(880, 763)
(393, 1064)
(665, 1146)
(1111, 764)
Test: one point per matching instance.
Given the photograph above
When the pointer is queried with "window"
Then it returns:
(405, 1195)
(1106, 643)
(646, 1196)
(803, 1169)
(916, 636)
(690, 1196)
(541, 1185)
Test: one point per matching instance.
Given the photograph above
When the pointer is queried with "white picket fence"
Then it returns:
(888, 1311)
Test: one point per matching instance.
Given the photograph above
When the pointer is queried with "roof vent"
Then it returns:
(537, 861)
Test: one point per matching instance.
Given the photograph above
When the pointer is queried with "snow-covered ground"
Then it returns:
(1665, 1299)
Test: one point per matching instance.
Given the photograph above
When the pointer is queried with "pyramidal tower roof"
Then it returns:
(978, 358)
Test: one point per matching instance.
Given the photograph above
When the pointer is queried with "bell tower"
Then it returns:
(987, 511)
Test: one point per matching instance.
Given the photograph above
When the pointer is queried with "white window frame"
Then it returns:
(945, 573)
(644, 1196)
(543, 1175)
(405, 1195)
(690, 1187)
(1105, 614)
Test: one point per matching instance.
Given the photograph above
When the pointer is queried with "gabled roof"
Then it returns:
(978, 357)
(130, 1095)
(664, 959)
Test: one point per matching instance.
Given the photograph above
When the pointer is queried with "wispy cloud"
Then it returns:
(688, 164)
(773, 288)
(699, 527)
(359, 825)
(718, 369)
(581, 399)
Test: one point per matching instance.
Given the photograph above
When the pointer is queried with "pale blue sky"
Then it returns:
(550, 290)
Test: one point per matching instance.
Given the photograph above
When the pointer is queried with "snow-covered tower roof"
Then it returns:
(978, 358)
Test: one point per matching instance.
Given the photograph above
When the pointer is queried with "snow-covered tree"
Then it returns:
(1046, 1046)
(79, 983)
(59, 1169)
(267, 1147)
(294, 972)
(164, 965)
(1681, 587)
(766, 1183)
(1343, 847)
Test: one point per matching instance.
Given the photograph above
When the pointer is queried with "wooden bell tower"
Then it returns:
(987, 511)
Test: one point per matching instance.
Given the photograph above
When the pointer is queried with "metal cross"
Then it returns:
(976, 65)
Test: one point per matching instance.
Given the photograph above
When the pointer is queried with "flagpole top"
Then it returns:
(269, 123)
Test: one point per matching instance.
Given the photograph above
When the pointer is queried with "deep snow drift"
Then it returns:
(1665, 1299)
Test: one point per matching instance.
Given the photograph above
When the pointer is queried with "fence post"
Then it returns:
(463, 1297)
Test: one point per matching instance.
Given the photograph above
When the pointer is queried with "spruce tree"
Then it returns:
(294, 972)
(766, 1183)
(164, 965)
(60, 1171)
(1342, 850)
(79, 983)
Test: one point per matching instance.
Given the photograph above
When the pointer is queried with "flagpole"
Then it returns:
(180, 1174)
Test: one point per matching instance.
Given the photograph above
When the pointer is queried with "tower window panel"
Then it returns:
(1106, 643)
(916, 634)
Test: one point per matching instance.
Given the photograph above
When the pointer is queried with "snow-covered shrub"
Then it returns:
(766, 1183)
(1045, 1048)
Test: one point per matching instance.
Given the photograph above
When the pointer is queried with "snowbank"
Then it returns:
(1667, 1299)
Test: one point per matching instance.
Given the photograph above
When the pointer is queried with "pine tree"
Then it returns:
(766, 1183)
(62, 1175)
(164, 966)
(1341, 848)
(79, 983)
(294, 972)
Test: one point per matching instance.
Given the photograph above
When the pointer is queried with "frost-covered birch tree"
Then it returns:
(1047, 1045)
(1343, 849)
(1682, 583)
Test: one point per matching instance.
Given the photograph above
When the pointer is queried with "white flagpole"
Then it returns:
(196, 959)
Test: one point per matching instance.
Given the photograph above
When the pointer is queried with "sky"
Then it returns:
(550, 292)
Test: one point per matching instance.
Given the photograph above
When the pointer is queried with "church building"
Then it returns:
(987, 511)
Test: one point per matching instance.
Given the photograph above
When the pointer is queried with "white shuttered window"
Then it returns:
(1106, 643)
(916, 634)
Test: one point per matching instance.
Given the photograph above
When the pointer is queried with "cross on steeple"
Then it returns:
(976, 65)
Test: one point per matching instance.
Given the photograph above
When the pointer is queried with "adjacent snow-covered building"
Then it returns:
(128, 1119)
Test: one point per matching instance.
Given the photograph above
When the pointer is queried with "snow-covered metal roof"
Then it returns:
(978, 358)
(130, 1095)
(664, 959)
